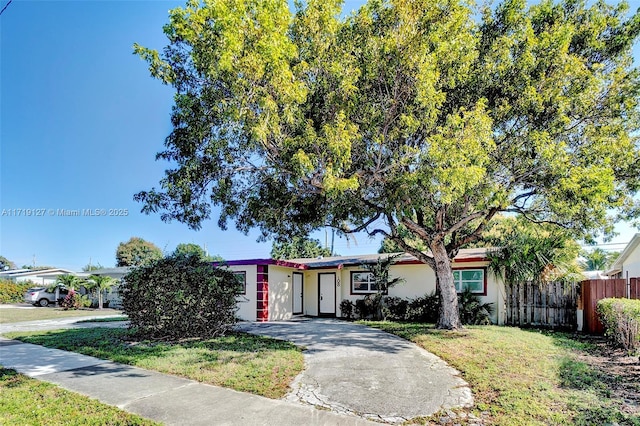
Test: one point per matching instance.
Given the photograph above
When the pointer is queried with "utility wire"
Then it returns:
(5, 7)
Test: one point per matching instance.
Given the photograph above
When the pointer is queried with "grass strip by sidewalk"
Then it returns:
(523, 377)
(11, 315)
(28, 401)
(239, 361)
(108, 319)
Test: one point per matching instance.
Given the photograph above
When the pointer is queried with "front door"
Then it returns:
(327, 294)
(297, 293)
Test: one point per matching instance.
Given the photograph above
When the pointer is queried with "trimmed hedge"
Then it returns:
(621, 321)
(11, 292)
(180, 297)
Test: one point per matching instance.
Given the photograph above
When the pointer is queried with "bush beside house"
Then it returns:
(13, 292)
(621, 321)
(179, 297)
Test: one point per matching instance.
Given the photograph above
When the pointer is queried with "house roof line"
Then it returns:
(464, 256)
(276, 262)
(617, 265)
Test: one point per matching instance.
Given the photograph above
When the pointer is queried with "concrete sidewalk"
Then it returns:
(161, 397)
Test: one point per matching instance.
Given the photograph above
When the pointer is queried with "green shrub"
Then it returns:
(180, 297)
(346, 309)
(367, 307)
(75, 300)
(12, 292)
(424, 308)
(621, 321)
(394, 308)
(472, 310)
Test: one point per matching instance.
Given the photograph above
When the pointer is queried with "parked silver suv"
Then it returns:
(39, 296)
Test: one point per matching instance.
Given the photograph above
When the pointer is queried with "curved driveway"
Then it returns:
(355, 369)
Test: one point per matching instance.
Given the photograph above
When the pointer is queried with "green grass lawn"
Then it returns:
(240, 361)
(8, 315)
(26, 401)
(523, 377)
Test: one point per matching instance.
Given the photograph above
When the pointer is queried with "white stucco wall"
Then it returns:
(631, 264)
(247, 302)
(39, 281)
(420, 280)
(280, 293)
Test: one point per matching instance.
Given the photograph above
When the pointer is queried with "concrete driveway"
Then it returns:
(358, 370)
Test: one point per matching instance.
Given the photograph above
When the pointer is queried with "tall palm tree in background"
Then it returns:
(598, 259)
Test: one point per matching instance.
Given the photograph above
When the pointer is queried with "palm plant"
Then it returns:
(99, 283)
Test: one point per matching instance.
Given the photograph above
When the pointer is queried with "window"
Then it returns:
(363, 282)
(473, 279)
(241, 277)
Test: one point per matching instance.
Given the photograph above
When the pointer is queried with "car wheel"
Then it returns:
(43, 302)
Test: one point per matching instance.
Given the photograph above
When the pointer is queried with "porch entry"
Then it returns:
(297, 293)
(327, 294)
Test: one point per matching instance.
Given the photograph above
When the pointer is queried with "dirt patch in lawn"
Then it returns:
(620, 371)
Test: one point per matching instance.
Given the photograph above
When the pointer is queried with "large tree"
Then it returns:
(137, 252)
(427, 114)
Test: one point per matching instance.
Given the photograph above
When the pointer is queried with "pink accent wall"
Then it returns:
(262, 306)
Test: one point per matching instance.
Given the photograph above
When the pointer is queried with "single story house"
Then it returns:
(628, 263)
(275, 290)
(42, 277)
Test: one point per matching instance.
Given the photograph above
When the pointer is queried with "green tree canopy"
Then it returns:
(298, 247)
(598, 259)
(91, 267)
(431, 115)
(524, 252)
(6, 264)
(190, 249)
(137, 252)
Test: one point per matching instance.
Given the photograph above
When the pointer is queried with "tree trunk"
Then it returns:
(100, 298)
(449, 317)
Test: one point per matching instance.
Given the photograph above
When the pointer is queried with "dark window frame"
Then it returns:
(358, 292)
(242, 274)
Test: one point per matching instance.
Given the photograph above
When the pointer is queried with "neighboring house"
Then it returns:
(595, 275)
(276, 290)
(113, 294)
(628, 263)
(42, 277)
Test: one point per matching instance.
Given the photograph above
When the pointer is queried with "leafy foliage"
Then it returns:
(347, 309)
(68, 281)
(89, 267)
(12, 292)
(298, 247)
(6, 264)
(137, 252)
(598, 259)
(422, 309)
(532, 253)
(430, 115)
(180, 297)
(190, 249)
(472, 310)
(74, 300)
(98, 284)
(621, 320)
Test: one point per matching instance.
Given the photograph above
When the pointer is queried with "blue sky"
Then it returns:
(80, 123)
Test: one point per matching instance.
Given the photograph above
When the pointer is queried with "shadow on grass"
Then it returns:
(122, 345)
(409, 330)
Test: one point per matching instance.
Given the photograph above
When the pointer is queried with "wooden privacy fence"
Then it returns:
(550, 305)
(594, 290)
